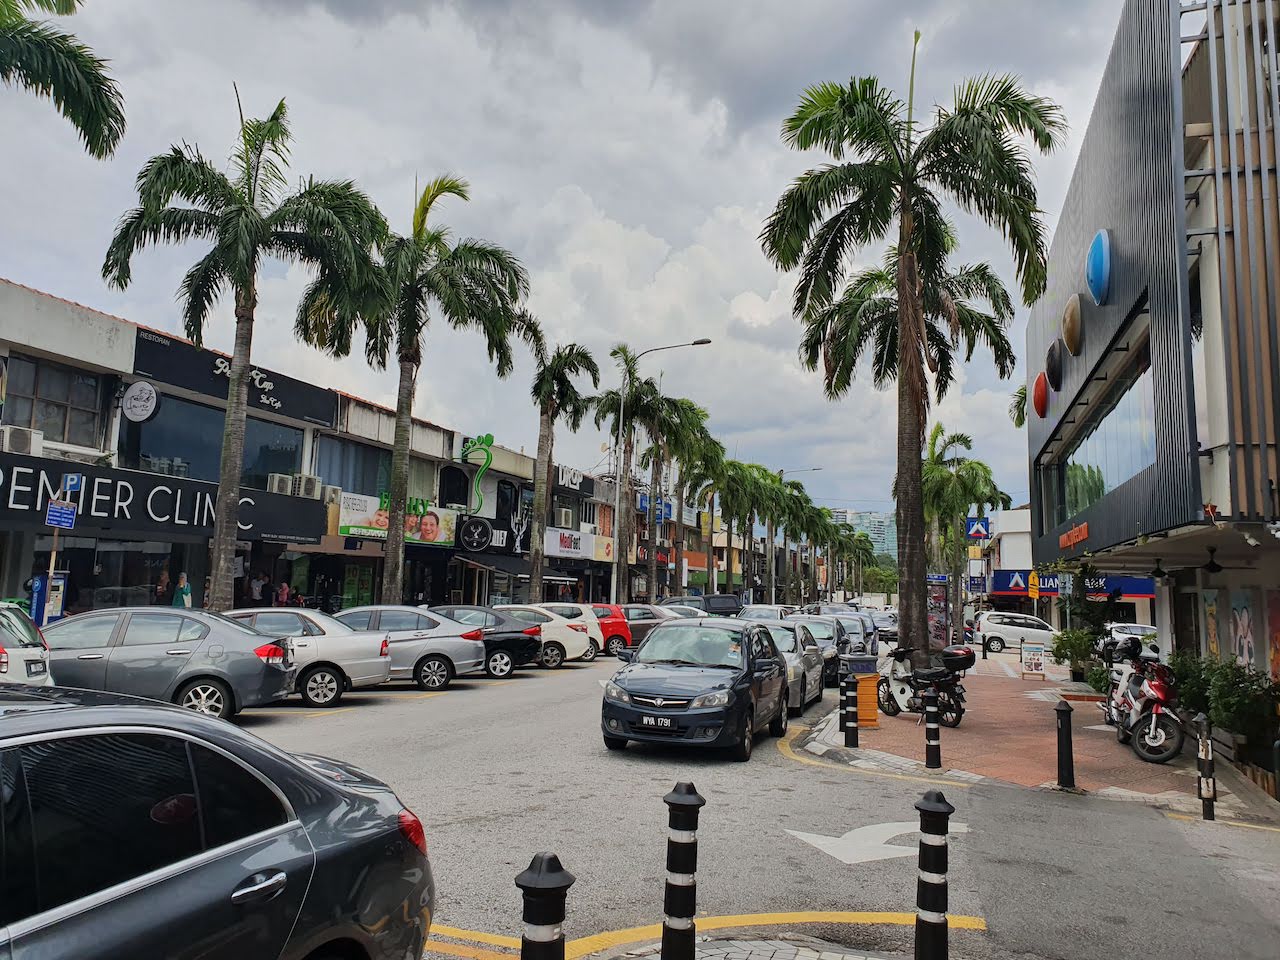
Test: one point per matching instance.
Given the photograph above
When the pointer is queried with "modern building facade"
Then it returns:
(882, 528)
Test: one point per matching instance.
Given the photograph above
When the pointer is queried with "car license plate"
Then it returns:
(663, 722)
(36, 668)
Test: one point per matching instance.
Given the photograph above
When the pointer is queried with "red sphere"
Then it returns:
(1040, 395)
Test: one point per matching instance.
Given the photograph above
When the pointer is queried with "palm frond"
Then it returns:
(442, 186)
(140, 228)
(861, 118)
(183, 173)
(199, 292)
(863, 192)
(262, 156)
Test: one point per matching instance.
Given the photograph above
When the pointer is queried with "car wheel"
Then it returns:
(796, 711)
(995, 645)
(321, 687)
(552, 655)
(778, 725)
(433, 673)
(614, 743)
(593, 651)
(741, 751)
(616, 646)
(210, 697)
(499, 664)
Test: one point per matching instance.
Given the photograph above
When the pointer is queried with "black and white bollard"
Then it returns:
(849, 709)
(932, 741)
(679, 901)
(544, 885)
(931, 887)
(1066, 756)
(1206, 785)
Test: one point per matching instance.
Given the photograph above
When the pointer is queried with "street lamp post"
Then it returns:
(619, 548)
(773, 559)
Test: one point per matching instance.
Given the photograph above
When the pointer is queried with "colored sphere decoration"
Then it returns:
(1073, 326)
(1097, 267)
(1053, 364)
(1040, 395)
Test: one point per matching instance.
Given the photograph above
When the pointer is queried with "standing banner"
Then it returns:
(1032, 659)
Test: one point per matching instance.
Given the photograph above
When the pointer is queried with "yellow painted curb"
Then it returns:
(1229, 823)
(461, 950)
(493, 939)
(785, 748)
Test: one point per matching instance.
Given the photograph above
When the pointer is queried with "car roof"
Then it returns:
(371, 606)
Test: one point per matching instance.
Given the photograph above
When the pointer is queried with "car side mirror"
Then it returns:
(625, 656)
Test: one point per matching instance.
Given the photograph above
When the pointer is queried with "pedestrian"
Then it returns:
(282, 594)
(296, 599)
(164, 590)
(255, 588)
(182, 592)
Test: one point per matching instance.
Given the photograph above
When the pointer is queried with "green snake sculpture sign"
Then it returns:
(482, 444)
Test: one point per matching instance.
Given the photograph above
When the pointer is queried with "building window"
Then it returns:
(453, 487)
(589, 511)
(508, 501)
(355, 467)
(65, 404)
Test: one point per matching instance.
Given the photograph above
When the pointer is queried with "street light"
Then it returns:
(620, 549)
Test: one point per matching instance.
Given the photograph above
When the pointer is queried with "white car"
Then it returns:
(428, 649)
(580, 613)
(766, 611)
(330, 656)
(997, 630)
(562, 639)
(24, 658)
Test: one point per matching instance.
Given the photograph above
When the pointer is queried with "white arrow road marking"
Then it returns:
(864, 844)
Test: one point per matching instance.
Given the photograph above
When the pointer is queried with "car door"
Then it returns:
(127, 858)
(641, 620)
(151, 652)
(407, 633)
(79, 647)
(767, 674)
(286, 623)
(810, 655)
(1036, 630)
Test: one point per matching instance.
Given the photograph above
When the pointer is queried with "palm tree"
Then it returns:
(1018, 407)
(700, 475)
(471, 284)
(246, 215)
(890, 171)
(556, 395)
(694, 446)
(794, 507)
(38, 56)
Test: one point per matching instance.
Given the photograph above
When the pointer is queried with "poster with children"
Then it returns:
(1242, 647)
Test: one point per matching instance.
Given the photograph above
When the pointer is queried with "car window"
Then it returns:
(106, 809)
(824, 633)
(639, 613)
(239, 622)
(82, 633)
(804, 637)
(528, 616)
(852, 625)
(602, 612)
(233, 802)
(357, 620)
(191, 630)
(24, 631)
(17, 891)
(693, 644)
(1035, 623)
(279, 624)
(784, 638)
(399, 620)
(571, 613)
(476, 618)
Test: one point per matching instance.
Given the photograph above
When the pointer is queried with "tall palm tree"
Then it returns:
(678, 427)
(37, 56)
(693, 447)
(1018, 407)
(701, 477)
(557, 395)
(471, 284)
(794, 507)
(891, 171)
(247, 216)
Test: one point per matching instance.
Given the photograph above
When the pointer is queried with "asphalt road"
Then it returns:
(501, 770)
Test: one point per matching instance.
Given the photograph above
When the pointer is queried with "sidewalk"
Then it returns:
(1009, 734)
(793, 947)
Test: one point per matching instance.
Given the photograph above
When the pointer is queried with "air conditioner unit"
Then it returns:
(330, 494)
(280, 483)
(307, 486)
(564, 517)
(590, 528)
(22, 440)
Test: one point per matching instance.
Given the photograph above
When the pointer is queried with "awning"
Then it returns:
(472, 560)
(514, 566)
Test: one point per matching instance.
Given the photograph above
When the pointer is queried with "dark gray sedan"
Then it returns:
(196, 659)
(139, 830)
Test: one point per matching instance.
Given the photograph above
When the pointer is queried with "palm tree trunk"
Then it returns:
(678, 547)
(626, 523)
(728, 555)
(393, 552)
(713, 581)
(655, 513)
(959, 567)
(231, 466)
(541, 503)
(771, 552)
(786, 567)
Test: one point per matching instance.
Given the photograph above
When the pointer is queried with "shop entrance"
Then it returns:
(124, 573)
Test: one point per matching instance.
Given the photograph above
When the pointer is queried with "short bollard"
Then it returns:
(849, 709)
(679, 901)
(1066, 757)
(932, 741)
(1206, 785)
(931, 887)
(544, 885)
(984, 649)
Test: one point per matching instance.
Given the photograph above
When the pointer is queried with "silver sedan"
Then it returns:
(804, 662)
(429, 650)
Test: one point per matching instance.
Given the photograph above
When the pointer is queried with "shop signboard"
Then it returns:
(603, 549)
(1032, 656)
(977, 584)
(125, 503)
(360, 515)
(569, 480)
(664, 506)
(60, 514)
(1016, 583)
(558, 542)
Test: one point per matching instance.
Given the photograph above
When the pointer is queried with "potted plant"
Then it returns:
(1074, 647)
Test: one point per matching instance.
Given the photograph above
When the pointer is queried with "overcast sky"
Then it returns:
(627, 152)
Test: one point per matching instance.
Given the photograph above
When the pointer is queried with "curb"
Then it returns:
(805, 947)
(818, 742)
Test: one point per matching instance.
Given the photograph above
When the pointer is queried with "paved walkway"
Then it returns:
(791, 948)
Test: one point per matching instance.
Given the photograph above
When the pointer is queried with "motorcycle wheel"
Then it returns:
(888, 705)
(1164, 744)
(950, 712)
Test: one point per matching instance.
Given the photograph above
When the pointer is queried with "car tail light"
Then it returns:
(533, 631)
(385, 651)
(411, 830)
(581, 628)
(271, 653)
(473, 635)
(4, 660)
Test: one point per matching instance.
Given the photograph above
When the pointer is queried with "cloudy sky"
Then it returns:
(627, 152)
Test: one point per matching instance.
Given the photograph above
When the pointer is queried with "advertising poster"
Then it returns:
(364, 516)
(603, 549)
(1032, 655)
(1211, 622)
(937, 616)
(1242, 627)
(1273, 631)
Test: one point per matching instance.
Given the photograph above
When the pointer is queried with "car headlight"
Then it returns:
(615, 693)
(719, 698)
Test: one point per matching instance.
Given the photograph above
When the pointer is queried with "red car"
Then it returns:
(617, 632)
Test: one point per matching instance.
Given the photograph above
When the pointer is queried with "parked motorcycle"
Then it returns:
(1141, 702)
(902, 688)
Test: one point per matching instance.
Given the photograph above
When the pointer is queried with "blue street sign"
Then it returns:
(977, 528)
(977, 584)
(71, 482)
(60, 513)
(936, 578)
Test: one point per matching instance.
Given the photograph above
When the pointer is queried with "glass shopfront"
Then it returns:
(105, 572)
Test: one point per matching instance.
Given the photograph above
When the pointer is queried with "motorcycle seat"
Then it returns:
(930, 674)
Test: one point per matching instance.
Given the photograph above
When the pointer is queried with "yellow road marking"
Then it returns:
(327, 713)
(492, 939)
(462, 950)
(585, 946)
(426, 696)
(785, 748)
(1229, 823)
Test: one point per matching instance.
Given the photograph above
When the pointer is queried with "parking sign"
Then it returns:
(60, 514)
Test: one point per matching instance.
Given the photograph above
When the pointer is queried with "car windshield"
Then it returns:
(694, 645)
(824, 633)
(23, 630)
(1135, 629)
(852, 624)
(233, 624)
(784, 638)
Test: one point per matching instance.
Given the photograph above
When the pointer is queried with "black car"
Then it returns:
(136, 829)
(508, 642)
(716, 604)
(707, 682)
(833, 640)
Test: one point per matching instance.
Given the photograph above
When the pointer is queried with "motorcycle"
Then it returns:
(1140, 703)
(902, 688)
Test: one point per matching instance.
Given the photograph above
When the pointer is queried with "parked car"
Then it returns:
(24, 658)
(804, 662)
(832, 640)
(508, 643)
(766, 611)
(151, 832)
(615, 626)
(709, 682)
(829, 608)
(859, 638)
(716, 604)
(428, 650)
(194, 658)
(997, 630)
(584, 614)
(643, 617)
(680, 610)
(886, 624)
(562, 639)
(331, 657)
